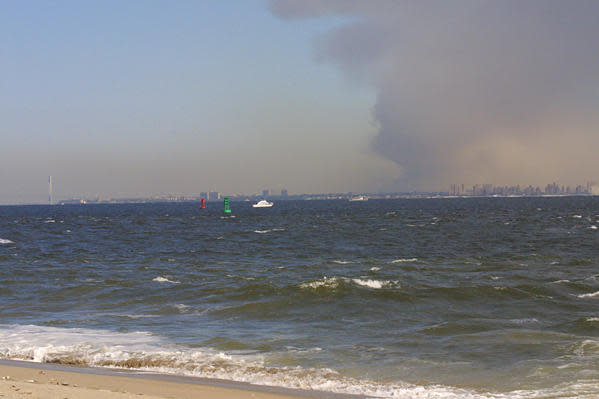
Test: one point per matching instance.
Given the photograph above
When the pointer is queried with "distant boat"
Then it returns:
(360, 198)
(263, 204)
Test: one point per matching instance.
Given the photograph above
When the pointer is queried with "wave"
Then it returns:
(403, 260)
(590, 295)
(143, 351)
(5, 241)
(161, 279)
(376, 284)
(267, 231)
(130, 316)
(336, 282)
(329, 282)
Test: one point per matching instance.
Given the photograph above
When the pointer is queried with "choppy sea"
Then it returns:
(415, 298)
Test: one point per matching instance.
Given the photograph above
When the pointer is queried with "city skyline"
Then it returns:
(139, 99)
(455, 190)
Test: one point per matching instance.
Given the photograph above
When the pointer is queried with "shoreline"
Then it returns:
(22, 379)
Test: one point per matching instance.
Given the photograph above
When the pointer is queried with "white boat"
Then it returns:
(263, 204)
(360, 198)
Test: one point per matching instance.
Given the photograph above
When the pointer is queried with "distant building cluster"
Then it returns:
(482, 190)
(455, 190)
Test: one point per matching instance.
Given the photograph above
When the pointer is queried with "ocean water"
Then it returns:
(431, 298)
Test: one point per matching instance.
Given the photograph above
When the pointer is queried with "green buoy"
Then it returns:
(227, 208)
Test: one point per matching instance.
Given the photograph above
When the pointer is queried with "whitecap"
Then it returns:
(329, 282)
(524, 321)
(593, 227)
(590, 295)
(577, 216)
(137, 316)
(374, 284)
(402, 260)
(592, 319)
(161, 279)
(182, 307)
(262, 231)
(342, 262)
(560, 281)
(375, 269)
(50, 221)
(5, 241)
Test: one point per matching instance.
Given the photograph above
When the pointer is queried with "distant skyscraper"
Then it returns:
(213, 196)
(50, 199)
(204, 194)
(265, 193)
(284, 192)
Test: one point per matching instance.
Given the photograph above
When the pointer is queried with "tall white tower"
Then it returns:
(50, 199)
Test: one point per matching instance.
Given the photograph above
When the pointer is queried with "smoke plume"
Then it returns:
(472, 90)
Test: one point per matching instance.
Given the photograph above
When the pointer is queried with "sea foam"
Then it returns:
(335, 282)
(5, 241)
(403, 260)
(375, 284)
(590, 295)
(144, 351)
(161, 279)
(147, 352)
(268, 231)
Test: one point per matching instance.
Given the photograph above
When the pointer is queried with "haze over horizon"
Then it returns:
(146, 98)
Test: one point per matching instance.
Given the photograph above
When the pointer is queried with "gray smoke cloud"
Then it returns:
(472, 90)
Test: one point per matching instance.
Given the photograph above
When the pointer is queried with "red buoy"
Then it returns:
(203, 204)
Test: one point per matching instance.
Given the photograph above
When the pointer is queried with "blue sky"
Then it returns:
(141, 98)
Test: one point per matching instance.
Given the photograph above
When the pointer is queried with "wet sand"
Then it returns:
(33, 380)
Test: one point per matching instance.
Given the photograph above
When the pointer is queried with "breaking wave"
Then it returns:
(336, 282)
(590, 295)
(144, 351)
(403, 260)
(267, 231)
(161, 279)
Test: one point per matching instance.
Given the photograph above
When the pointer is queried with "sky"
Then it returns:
(143, 98)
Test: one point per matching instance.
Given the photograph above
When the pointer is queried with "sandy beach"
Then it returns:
(19, 380)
